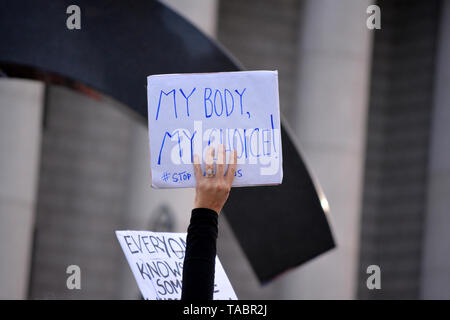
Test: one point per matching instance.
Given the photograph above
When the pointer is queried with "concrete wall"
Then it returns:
(329, 120)
(201, 13)
(20, 139)
(81, 197)
(435, 273)
(95, 180)
(399, 125)
(263, 35)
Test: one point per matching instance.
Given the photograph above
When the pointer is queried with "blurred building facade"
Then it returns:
(369, 109)
(396, 184)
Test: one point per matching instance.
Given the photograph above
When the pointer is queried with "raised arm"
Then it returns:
(211, 193)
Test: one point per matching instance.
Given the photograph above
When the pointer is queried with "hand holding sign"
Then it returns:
(187, 113)
(212, 189)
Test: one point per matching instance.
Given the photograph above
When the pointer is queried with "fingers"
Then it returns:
(197, 167)
(209, 161)
(231, 168)
(220, 164)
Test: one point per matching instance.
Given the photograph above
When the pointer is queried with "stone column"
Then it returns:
(330, 123)
(20, 139)
(435, 274)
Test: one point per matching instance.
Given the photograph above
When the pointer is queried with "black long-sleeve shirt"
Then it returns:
(200, 259)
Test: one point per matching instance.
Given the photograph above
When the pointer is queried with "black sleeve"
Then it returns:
(200, 259)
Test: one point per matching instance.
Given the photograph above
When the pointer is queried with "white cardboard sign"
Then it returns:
(156, 260)
(189, 112)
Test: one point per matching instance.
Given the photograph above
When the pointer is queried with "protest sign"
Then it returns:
(189, 112)
(156, 260)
